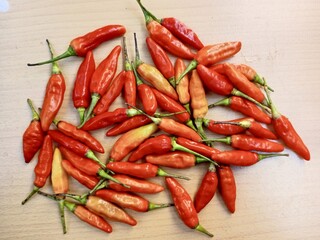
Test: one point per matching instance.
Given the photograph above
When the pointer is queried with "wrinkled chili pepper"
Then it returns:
(285, 130)
(140, 170)
(212, 54)
(101, 80)
(131, 123)
(153, 76)
(33, 136)
(183, 87)
(227, 187)
(80, 135)
(249, 143)
(81, 92)
(161, 60)
(60, 183)
(245, 107)
(165, 38)
(207, 188)
(88, 216)
(241, 157)
(80, 46)
(43, 168)
(129, 200)
(178, 29)
(184, 206)
(74, 145)
(130, 140)
(198, 147)
(54, 95)
(112, 93)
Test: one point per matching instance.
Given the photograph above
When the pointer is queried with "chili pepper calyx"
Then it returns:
(222, 102)
(163, 173)
(90, 154)
(70, 206)
(35, 115)
(192, 65)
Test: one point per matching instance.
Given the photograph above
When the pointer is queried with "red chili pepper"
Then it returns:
(161, 60)
(127, 125)
(183, 87)
(227, 187)
(109, 118)
(130, 140)
(136, 185)
(80, 135)
(80, 46)
(200, 148)
(74, 145)
(245, 107)
(81, 92)
(112, 93)
(223, 127)
(241, 157)
(165, 38)
(246, 142)
(129, 200)
(33, 136)
(285, 130)
(101, 79)
(89, 217)
(207, 189)
(43, 168)
(184, 206)
(54, 95)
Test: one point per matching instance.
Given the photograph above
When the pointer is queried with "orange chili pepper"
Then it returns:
(183, 87)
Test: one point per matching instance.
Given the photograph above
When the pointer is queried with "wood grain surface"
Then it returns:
(276, 199)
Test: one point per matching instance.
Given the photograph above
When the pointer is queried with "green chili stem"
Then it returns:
(192, 65)
(163, 173)
(34, 191)
(154, 206)
(35, 115)
(94, 100)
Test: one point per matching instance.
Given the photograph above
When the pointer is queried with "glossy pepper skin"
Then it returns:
(54, 96)
(184, 205)
(198, 147)
(222, 128)
(207, 189)
(33, 136)
(227, 187)
(81, 92)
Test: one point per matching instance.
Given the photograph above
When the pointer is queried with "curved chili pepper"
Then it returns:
(198, 147)
(129, 200)
(80, 46)
(43, 168)
(245, 107)
(80, 135)
(183, 87)
(74, 145)
(176, 159)
(136, 185)
(131, 123)
(54, 95)
(178, 29)
(153, 76)
(140, 170)
(184, 206)
(207, 188)
(88, 216)
(161, 60)
(108, 118)
(81, 92)
(285, 130)
(130, 140)
(165, 38)
(60, 183)
(212, 54)
(241, 157)
(227, 187)
(112, 93)
(33, 136)
(101, 79)
(246, 142)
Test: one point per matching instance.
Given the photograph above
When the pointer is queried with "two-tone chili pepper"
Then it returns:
(33, 136)
(227, 187)
(43, 168)
(182, 87)
(80, 46)
(129, 200)
(207, 188)
(101, 79)
(54, 95)
(184, 206)
(81, 88)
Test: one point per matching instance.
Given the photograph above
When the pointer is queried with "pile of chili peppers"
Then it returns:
(162, 125)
